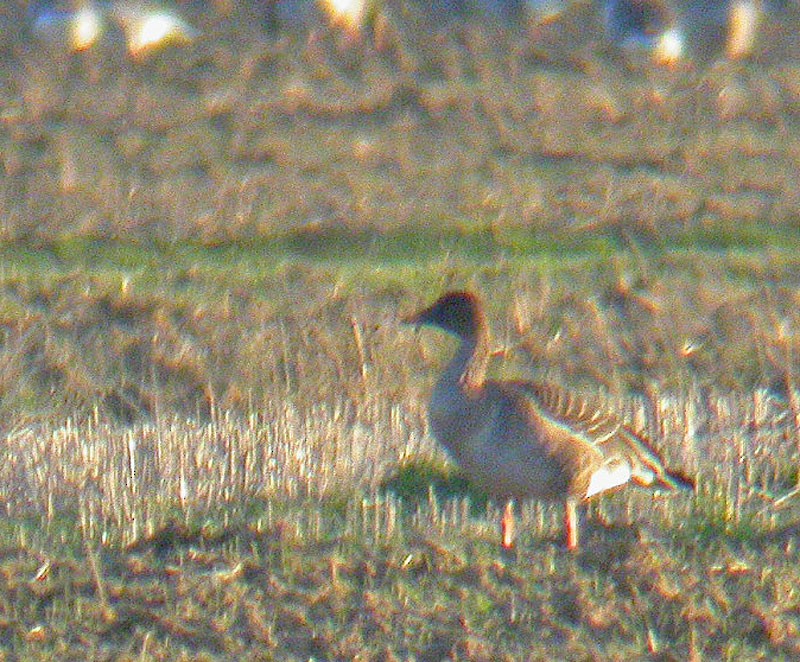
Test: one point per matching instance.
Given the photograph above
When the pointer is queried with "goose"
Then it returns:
(520, 439)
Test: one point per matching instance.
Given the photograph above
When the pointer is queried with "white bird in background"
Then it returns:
(645, 25)
(80, 26)
(351, 15)
(146, 30)
(668, 29)
(346, 14)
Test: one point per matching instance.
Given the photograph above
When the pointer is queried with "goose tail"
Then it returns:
(676, 481)
(648, 468)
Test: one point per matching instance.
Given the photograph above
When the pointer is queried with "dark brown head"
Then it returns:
(459, 313)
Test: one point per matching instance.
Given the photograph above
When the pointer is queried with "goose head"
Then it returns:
(458, 313)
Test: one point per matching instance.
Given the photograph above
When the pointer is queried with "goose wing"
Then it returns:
(611, 451)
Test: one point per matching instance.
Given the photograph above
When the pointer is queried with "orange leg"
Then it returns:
(508, 526)
(571, 523)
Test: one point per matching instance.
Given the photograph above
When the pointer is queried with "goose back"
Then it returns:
(526, 439)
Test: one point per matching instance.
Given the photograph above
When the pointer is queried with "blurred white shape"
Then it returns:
(743, 19)
(669, 47)
(78, 30)
(85, 28)
(148, 29)
(652, 26)
(79, 26)
(347, 14)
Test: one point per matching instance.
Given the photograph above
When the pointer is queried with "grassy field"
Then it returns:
(332, 530)
(214, 442)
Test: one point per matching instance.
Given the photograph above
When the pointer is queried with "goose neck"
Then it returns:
(469, 365)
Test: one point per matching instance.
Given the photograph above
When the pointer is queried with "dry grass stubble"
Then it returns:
(272, 533)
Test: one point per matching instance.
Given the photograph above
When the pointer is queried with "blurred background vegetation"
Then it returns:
(237, 219)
